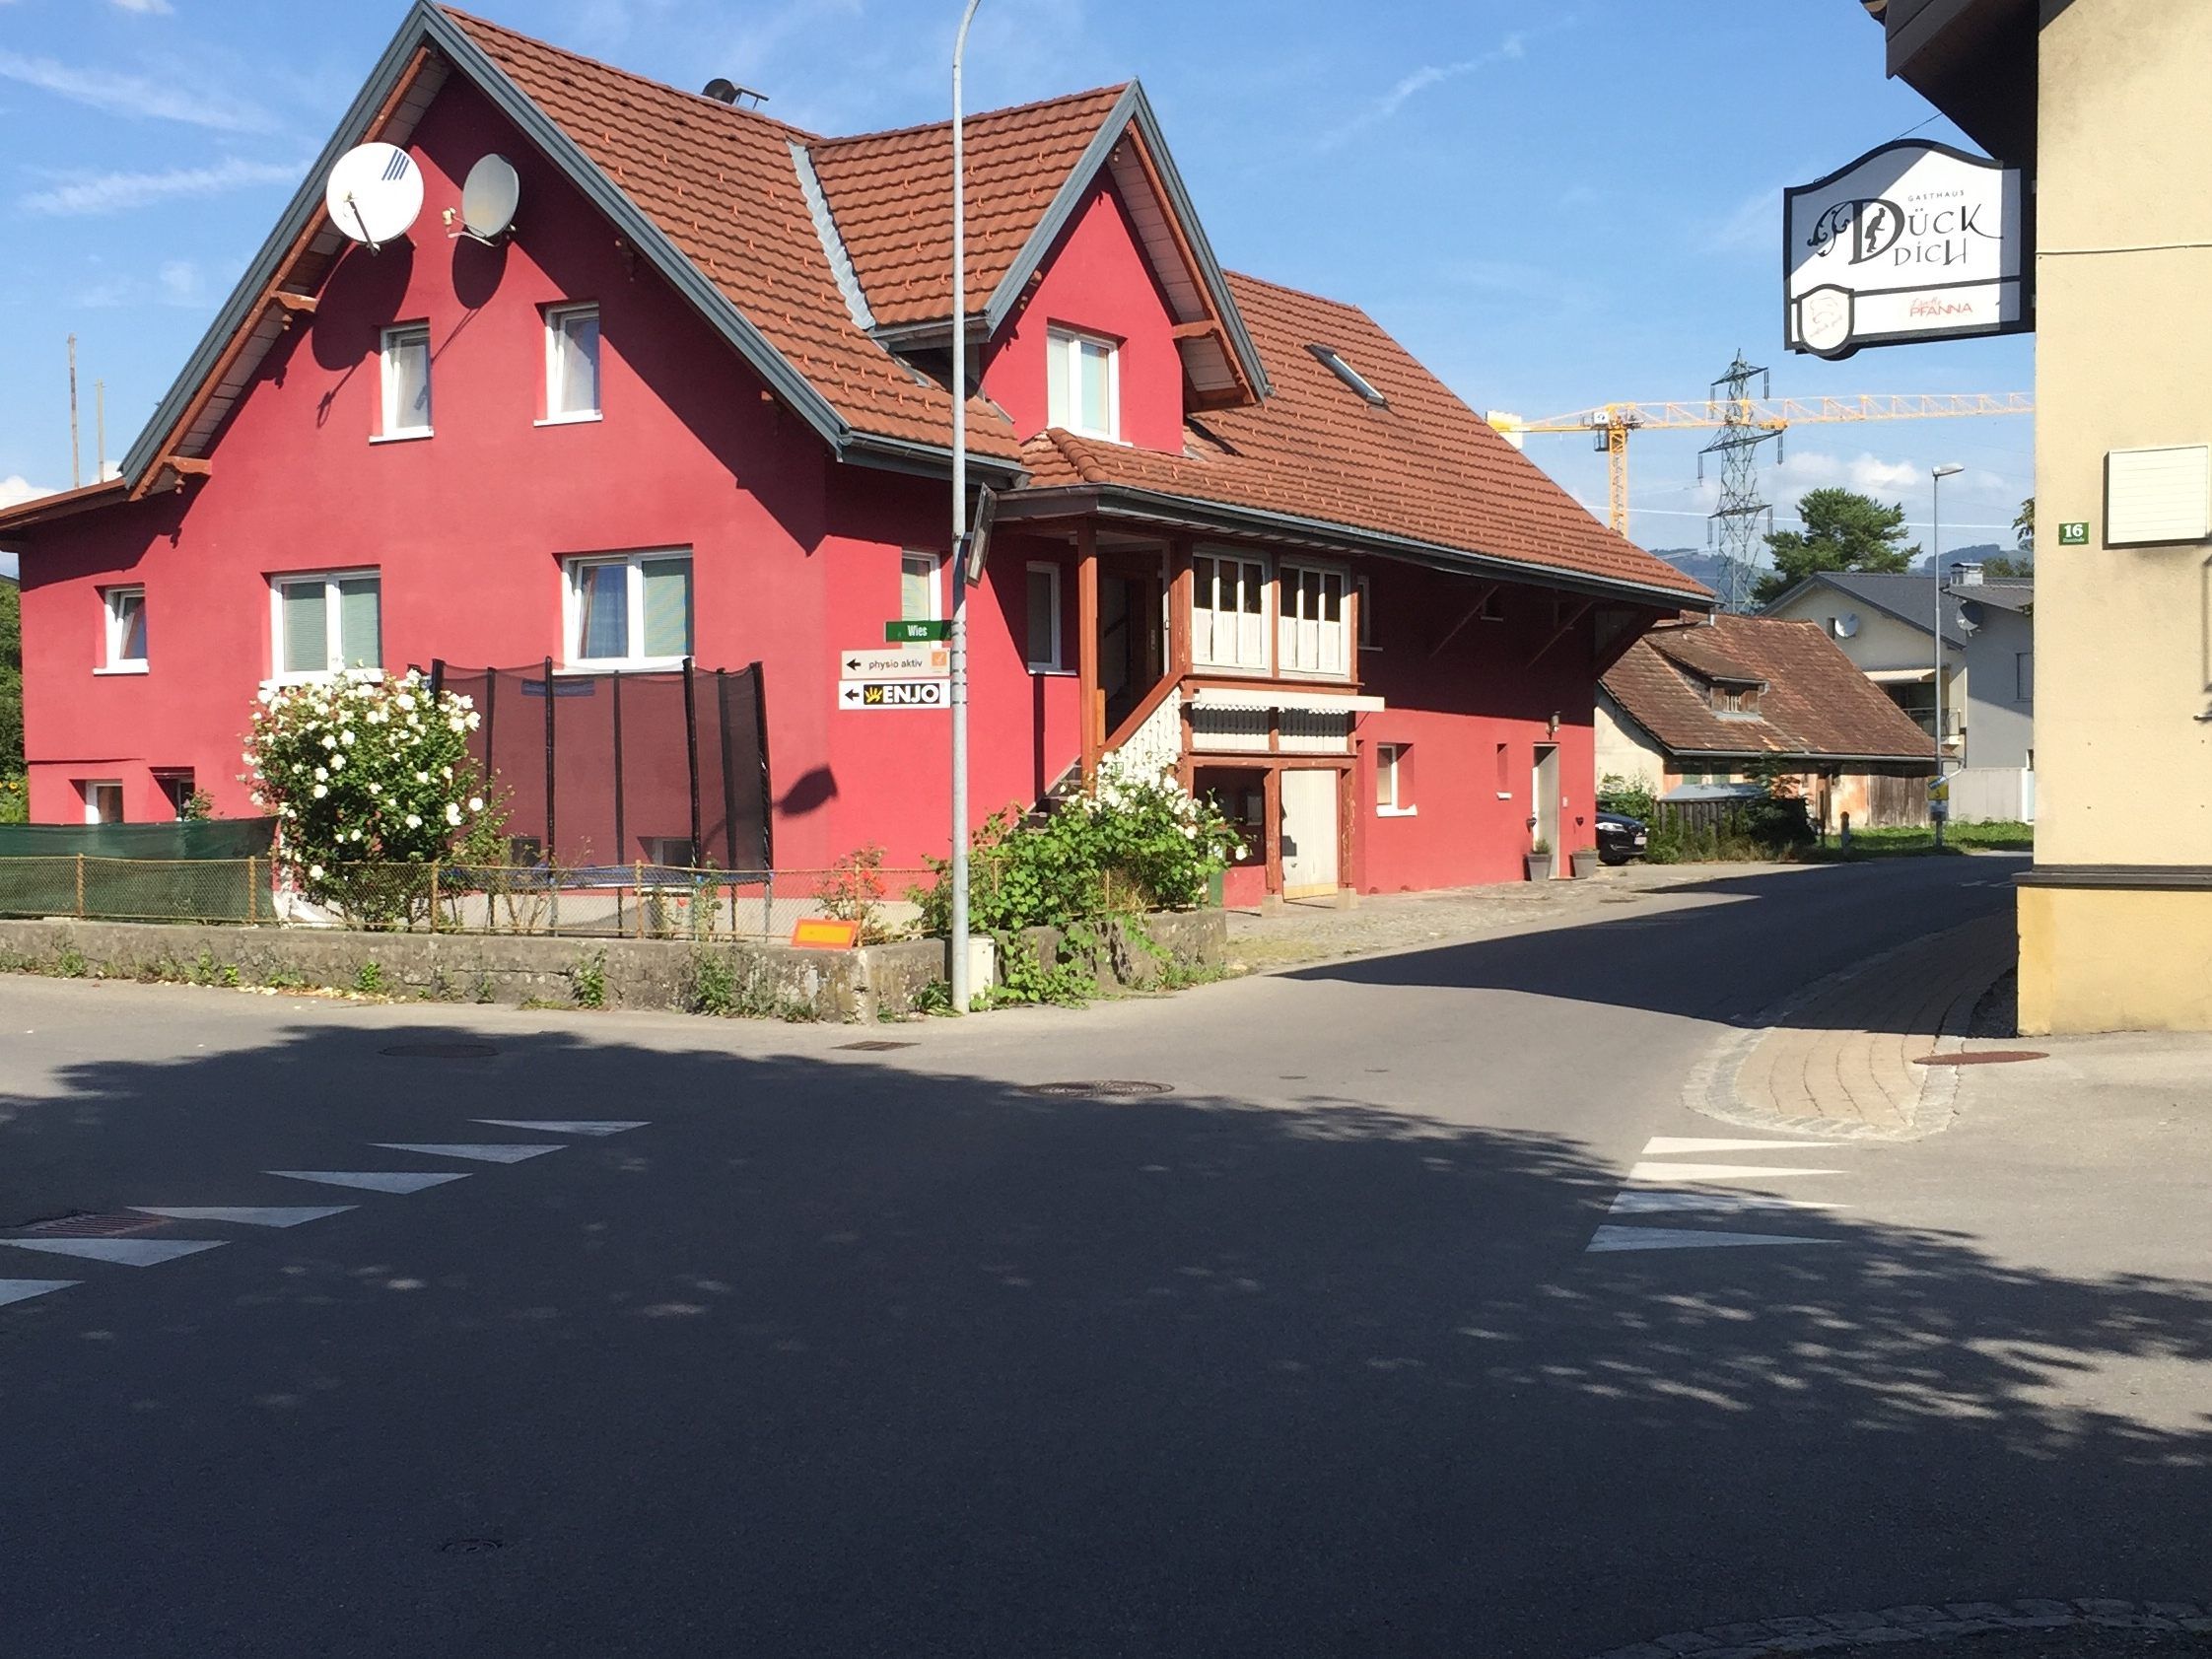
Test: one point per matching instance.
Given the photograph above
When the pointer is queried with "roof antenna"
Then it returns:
(724, 91)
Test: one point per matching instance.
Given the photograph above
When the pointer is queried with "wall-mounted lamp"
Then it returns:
(1555, 726)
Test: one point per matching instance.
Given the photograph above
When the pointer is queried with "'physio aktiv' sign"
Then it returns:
(1911, 242)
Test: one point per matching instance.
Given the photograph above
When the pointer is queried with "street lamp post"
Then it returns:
(957, 929)
(1938, 808)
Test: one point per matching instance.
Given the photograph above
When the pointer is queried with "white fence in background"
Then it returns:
(1989, 795)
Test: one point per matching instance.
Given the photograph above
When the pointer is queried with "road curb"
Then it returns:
(1893, 1626)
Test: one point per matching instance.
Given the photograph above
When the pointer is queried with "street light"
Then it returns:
(1939, 808)
(957, 929)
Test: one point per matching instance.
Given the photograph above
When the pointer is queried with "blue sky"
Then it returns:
(1553, 205)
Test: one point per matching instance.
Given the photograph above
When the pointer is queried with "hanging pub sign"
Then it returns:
(1911, 242)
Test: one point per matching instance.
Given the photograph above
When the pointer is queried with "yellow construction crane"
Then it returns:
(1611, 424)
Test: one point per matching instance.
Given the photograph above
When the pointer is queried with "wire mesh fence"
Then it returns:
(638, 900)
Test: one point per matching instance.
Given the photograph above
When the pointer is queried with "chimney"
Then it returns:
(1965, 575)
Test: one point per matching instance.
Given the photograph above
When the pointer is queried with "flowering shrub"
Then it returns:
(364, 773)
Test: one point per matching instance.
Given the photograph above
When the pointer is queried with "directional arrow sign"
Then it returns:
(895, 694)
(896, 663)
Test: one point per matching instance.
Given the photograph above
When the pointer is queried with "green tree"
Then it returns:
(2024, 525)
(2002, 565)
(10, 680)
(1843, 531)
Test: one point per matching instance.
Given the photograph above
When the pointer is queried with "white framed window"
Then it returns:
(1043, 638)
(406, 380)
(1083, 384)
(920, 593)
(629, 610)
(1394, 781)
(572, 364)
(1230, 611)
(125, 630)
(1313, 636)
(325, 623)
(103, 800)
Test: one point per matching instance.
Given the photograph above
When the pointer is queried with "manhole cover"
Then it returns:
(86, 1225)
(1980, 1056)
(875, 1045)
(441, 1051)
(1100, 1087)
(470, 1546)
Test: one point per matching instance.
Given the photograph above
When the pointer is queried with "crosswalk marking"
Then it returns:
(1719, 1203)
(481, 1152)
(124, 1251)
(371, 1180)
(1611, 1238)
(1718, 1172)
(23, 1289)
(1663, 1145)
(562, 1126)
(251, 1215)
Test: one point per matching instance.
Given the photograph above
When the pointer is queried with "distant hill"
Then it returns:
(1699, 564)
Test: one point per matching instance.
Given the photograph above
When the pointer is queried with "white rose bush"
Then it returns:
(363, 773)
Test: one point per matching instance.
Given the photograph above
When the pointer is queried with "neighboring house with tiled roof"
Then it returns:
(695, 406)
(1725, 701)
(1886, 625)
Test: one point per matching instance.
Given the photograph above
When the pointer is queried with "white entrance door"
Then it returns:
(1309, 833)
(1544, 797)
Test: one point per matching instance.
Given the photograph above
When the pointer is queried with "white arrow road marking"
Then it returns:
(375, 1181)
(595, 1126)
(1663, 1145)
(481, 1152)
(251, 1215)
(1717, 1172)
(1686, 1238)
(125, 1252)
(23, 1289)
(1727, 1204)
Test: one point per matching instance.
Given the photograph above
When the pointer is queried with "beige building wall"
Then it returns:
(2123, 274)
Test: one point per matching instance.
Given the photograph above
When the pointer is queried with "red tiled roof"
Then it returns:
(888, 193)
(721, 183)
(1422, 466)
(1815, 703)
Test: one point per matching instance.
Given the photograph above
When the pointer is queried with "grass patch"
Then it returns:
(1910, 841)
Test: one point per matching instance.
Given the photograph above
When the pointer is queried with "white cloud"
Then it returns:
(15, 487)
(81, 193)
(1508, 50)
(135, 95)
(146, 8)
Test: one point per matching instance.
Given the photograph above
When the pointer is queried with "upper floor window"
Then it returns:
(1735, 700)
(406, 380)
(1313, 634)
(920, 592)
(1230, 612)
(1043, 618)
(125, 630)
(326, 623)
(572, 363)
(632, 611)
(1083, 384)
(1366, 592)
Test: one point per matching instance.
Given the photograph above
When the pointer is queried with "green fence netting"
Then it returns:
(205, 871)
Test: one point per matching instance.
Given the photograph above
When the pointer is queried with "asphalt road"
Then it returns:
(851, 1351)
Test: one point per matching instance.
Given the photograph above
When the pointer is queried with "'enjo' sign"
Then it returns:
(1911, 242)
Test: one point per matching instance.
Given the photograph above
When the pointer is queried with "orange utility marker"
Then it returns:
(819, 933)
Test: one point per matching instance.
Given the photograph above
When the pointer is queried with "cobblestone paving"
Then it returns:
(2029, 1629)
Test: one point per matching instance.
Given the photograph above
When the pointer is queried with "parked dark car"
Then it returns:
(1621, 837)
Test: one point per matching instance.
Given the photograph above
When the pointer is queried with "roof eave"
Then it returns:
(1191, 513)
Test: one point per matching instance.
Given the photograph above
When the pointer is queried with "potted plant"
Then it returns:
(1584, 861)
(1540, 860)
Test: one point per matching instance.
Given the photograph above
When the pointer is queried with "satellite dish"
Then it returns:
(489, 196)
(374, 193)
(1848, 626)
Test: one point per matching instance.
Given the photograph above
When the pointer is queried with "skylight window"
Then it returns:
(1350, 377)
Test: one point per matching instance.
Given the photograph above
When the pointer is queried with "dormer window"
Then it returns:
(1083, 384)
(1353, 377)
(1740, 698)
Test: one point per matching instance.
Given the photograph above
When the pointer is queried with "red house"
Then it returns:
(695, 404)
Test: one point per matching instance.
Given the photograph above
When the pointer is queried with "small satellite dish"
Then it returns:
(720, 88)
(489, 196)
(1848, 626)
(374, 193)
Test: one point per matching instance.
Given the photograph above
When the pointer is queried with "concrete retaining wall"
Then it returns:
(766, 980)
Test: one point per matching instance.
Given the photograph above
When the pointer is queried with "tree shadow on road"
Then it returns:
(841, 1357)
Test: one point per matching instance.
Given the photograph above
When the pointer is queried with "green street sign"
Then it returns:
(915, 632)
(2074, 534)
